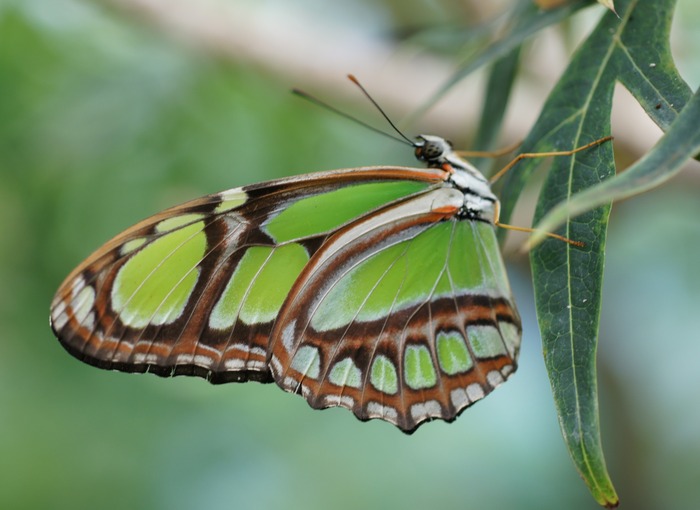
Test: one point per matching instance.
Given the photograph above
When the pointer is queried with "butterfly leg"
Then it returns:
(496, 222)
(532, 155)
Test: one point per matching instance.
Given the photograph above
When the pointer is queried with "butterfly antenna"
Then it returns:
(335, 110)
(352, 78)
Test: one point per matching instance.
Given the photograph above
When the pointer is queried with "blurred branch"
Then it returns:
(312, 54)
(307, 51)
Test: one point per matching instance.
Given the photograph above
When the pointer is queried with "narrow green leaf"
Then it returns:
(568, 280)
(665, 160)
(568, 285)
(627, 47)
(645, 65)
(525, 21)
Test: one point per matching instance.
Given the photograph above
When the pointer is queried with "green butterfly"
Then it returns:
(378, 289)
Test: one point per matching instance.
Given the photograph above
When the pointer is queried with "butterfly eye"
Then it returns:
(432, 150)
(429, 151)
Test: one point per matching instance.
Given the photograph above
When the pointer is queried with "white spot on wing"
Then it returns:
(59, 316)
(231, 199)
(78, 285)
(459, 398)
(307, 361)
(494, 378)
(145, 358)
(339, 400)
(234, 364)
(82, 304)
(377, 410)
(255, 365)
(475, 392)
(275, 365)
(259, 351)
(511, 337)
(203, 361)
(288, 336)
(184, 359)
(429, 409)
(290, 383)
(240, 347)
(305, 391)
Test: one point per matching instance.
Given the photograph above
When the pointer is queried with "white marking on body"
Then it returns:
(475, 392)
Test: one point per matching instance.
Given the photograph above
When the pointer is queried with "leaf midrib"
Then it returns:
(596, 82)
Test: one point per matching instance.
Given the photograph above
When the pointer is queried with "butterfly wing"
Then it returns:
(196, 289)
(405, 315)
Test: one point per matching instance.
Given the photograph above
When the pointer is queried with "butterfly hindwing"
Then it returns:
(196, 289)
(405, 314)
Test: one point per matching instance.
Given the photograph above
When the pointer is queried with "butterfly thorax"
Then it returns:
(479, 200)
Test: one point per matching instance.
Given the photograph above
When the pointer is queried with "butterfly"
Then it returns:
(378, 289)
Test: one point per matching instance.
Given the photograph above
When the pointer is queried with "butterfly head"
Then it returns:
(437, 152)
(433, 150)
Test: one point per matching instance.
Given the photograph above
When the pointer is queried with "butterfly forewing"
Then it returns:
(196, 289)
(405, 315)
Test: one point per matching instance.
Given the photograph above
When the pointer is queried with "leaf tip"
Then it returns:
(610, 5)
(613, 503)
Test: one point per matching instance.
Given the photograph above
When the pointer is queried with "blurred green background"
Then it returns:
(105, 119)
